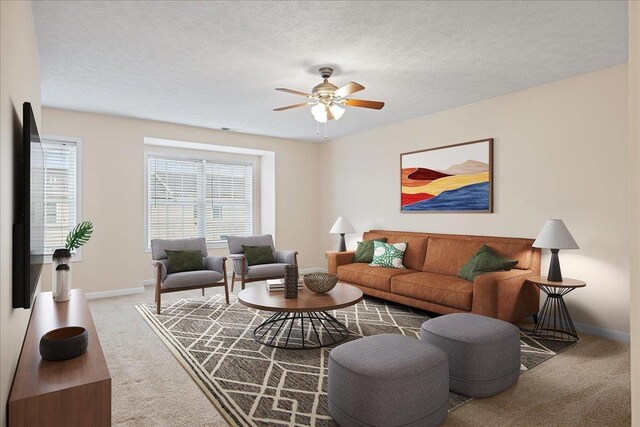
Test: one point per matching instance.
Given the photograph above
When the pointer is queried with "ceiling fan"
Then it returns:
(327, 100)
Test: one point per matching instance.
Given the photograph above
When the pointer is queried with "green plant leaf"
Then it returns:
(79, 235)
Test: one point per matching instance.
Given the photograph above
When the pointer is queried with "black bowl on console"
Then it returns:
(64, 343)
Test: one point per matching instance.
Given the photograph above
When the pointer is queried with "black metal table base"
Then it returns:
(300, 331)
(554, 322)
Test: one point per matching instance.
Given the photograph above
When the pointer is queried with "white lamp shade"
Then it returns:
(336, 110)
(342, 225)
(555, 235)
(319, 112)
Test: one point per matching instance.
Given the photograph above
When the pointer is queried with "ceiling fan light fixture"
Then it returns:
(328, 101)
(319, 112)
(336, 110)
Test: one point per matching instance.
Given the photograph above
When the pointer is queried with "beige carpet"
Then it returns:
(585, 385)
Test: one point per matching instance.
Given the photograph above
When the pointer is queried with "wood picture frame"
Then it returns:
(456, 178)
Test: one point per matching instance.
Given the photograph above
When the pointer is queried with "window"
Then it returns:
(60, 190)
(195, 197)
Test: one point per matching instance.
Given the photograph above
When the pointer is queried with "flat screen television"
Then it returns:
(28, 227)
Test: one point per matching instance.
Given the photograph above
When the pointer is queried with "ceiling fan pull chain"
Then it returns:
(317, 128)
(326, 126)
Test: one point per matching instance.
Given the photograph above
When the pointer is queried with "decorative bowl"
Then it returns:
(320, 282)
(64, 343)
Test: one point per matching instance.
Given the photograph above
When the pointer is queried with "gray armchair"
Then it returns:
(245, 273)
(214, 272)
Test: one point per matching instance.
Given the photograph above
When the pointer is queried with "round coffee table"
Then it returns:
(303, 322)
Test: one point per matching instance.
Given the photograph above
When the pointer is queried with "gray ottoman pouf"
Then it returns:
(388, 380)
(483, 353)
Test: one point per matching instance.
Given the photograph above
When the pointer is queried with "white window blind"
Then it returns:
(60, 191)
(192, 197)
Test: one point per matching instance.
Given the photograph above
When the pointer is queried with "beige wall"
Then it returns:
(19, 82)
(113, 192)
(560, 152)
(634, 167)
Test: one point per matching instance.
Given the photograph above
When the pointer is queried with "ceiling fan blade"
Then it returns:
(295, 92)
(376, 105)
(288, 107)
(348, 89)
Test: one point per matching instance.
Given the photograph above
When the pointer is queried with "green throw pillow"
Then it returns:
(184, 261)
(364, 252)
(258, 254)
(485, 260)
(388, 255)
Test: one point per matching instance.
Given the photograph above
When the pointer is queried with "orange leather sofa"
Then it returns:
(430, 280)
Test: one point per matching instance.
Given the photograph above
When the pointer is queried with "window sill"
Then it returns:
(215, 246)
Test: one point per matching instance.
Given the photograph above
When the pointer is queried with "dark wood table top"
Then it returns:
(36, 376)
(566, 282)
(260, 298)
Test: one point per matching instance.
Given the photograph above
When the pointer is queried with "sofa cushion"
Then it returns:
(158, 246)
(486, 260)
(364, 251)
(416, 246)
(257, 255)
(448, 255)
(371, 277)
(192, 278)
(388, 255)
(450, 291)
(179, 261)
(265, 270)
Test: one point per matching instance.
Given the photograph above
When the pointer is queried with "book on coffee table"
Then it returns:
(275, 285)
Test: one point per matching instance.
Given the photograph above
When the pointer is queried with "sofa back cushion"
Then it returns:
(416, 245)
(447, 254)
(158, 246)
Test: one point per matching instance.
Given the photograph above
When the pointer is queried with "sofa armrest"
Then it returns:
(336, 259)
(286, 257)
(505, 295)
(239, 263)
(161, 269)
(215, 263)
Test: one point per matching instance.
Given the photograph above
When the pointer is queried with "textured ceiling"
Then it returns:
(216, 64)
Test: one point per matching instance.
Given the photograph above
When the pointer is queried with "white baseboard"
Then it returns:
(151, 282)
(602, 332)
(115, 293)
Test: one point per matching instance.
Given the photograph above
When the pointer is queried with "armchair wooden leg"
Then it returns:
(158, 286)
(202, 291)
(233, 280)
(244, 271)
(226, 283)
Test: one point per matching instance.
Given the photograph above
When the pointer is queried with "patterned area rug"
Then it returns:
(256, 385)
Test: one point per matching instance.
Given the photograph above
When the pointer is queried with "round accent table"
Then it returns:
(554, 321)
(303, 322)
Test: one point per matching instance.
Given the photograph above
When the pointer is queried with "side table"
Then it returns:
(554, 321)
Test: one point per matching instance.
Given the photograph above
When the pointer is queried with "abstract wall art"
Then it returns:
(454, 178)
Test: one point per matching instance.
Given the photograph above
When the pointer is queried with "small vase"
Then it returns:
(291, 281)
(61, 275)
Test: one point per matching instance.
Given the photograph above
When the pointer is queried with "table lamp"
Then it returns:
(555, 236)
(341, 227)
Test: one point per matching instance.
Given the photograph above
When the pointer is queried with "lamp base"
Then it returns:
(555, 275)
(343, 245)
